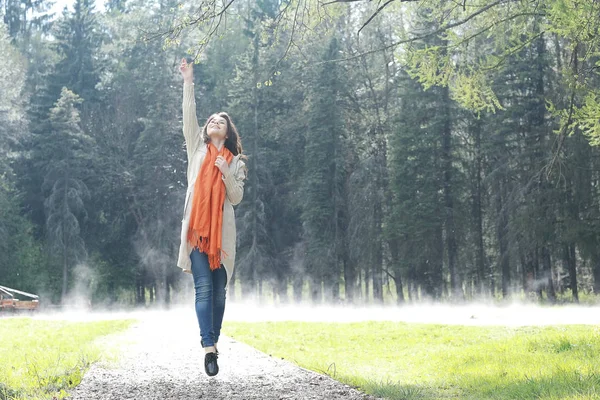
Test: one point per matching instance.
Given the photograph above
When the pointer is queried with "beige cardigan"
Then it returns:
(234, 187)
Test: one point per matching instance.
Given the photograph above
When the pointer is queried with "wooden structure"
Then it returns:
(9, 302)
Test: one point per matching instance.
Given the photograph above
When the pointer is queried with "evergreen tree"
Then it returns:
(23, 17)
(73, 65)
(20, 264)
(426, 183)
(250, 94)
(12, 102)
(415, 223)
(139, 185)
(69, 151)
(77, 42)
(322, 176)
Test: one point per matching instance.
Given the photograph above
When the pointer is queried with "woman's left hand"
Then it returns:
(221, 163)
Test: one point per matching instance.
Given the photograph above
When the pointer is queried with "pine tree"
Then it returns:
(138, 184)
(77, 41)
(23, 17)
(250, 100)
(416, 219)
(69, 151)
(12, 102)
(425, 183)
(20, 265)
(322, 176)
(71, 64)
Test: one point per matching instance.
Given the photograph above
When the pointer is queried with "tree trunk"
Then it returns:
(366, 283)
(249, 283)
(502, 237)
(349, 279)
(572, 265)
(596, 270)
(571, 215)
(451, 246)
(297, 285)
(316, 295)
(282, 290)
(399, 290)
(397, 277)
(65, 271)
(377, 275)
(477, 214)
(547, 274)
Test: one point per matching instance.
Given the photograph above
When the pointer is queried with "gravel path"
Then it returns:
(161, 358)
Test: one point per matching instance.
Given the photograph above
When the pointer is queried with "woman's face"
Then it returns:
(217, 127)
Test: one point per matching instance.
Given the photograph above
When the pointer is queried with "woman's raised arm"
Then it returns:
(191, 129)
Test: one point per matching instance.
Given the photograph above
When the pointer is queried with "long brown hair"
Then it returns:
(232, 142)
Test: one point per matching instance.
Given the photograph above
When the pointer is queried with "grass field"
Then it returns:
(41, 359)
(399, 360)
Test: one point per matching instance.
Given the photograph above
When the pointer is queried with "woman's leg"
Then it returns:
(203, 286)
(219, 297)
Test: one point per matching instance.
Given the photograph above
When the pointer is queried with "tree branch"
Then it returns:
(379, 9)
(427, 35)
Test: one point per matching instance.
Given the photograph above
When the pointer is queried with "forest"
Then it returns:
(398, 151)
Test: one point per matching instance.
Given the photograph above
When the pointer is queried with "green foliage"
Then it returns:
(508, 28)
(474, 92)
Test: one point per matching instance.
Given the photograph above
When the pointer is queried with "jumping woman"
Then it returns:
(215, 183)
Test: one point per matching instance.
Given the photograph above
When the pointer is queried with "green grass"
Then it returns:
(41, 359)
(399, 360)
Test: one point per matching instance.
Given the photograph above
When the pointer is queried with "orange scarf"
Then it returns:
(206, 217)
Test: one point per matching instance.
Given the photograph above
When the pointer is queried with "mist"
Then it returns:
(512, 314)
(254, 308)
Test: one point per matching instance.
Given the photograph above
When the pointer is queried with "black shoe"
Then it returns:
(210, 364)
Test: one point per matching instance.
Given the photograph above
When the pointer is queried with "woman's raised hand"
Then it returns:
(187, 70)
(221, 163)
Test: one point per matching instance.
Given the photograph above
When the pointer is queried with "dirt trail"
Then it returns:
(162, 359)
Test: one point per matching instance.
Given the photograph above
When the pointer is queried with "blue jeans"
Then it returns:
(210, 297)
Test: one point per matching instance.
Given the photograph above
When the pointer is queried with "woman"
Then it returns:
(215, 184)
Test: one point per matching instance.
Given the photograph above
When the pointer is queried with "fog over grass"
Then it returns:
(511, 314)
